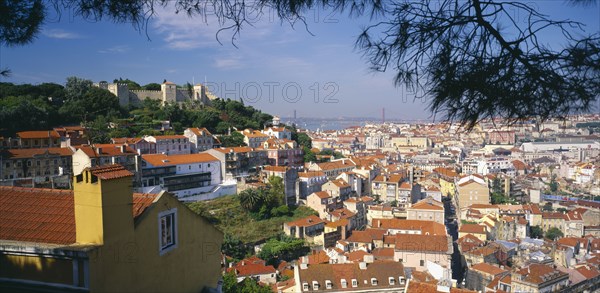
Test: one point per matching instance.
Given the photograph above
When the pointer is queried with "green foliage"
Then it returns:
(553, 185)
(547, 207)
(252, 199)
(231, 218)
(536, 232)
(497, 186)
(233, 247)
(304, 140)
(132, 85)
(285, 248)
(234, 140)
(248, 285)
(562, 210)
(152, 87)
(554, 233)
(336, 155)
(309, 156)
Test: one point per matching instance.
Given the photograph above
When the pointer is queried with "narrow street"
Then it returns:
(452, 228)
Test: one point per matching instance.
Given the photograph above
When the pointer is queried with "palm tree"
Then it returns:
(250, 199)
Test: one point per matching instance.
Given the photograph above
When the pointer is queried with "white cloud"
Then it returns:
(228, 63)
(61, 34)
(181, 32)
(116, 49)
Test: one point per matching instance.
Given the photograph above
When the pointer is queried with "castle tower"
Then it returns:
(169, 92)
(199, 93)
(276, 121)
(103, 200)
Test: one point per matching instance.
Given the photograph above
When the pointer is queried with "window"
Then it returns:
(354, 283)
(344, 283)
(328, 284)
(422, 263)
(315, 285)
(392, 281)
(373, 281)
(305, 286)
(401, 280)
(167, 230)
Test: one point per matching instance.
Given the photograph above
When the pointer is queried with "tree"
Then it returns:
(304, 140)
(76, 87)
(233, 247)
(554, 233)
(234, 140)
(309, 156)
(497, 185)
(536, 232)
(132, 85)
(473, 58)
(284, 248)
(152, 87)
(251, 199)
(275, 192)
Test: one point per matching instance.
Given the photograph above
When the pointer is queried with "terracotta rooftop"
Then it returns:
(380, 270)
(416, 242)
(538, 273)
(30, 153)
(366, 236)
(322, 194)
(308, 174)
(170, 160)
(46, 215)
(425, 227)
(488, 269)
(304, 222)
(472, 228)
(38, 134)
(108, 172)
(428, 204)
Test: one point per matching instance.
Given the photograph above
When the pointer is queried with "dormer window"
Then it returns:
(373, 281)
(328, 284)
(354, 283)
(344, 283)
(304, 286)
(392, 281)
(315, 285)
(401, 280)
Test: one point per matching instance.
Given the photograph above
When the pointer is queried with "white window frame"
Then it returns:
(162, 249)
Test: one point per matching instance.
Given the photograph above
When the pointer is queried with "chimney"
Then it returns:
(103, 215)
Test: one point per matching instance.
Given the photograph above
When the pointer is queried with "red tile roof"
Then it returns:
(170, 160)
(419, 287)
(46, 215)
(472, 228)
(305, 222)
(30, 153)
(418, 243)
(38, 134)
(107, 172)
(488, 269)
(425, 227)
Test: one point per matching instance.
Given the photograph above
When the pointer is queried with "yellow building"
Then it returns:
(101, 237)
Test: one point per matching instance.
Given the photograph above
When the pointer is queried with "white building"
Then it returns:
(190, 177)
(171, 144)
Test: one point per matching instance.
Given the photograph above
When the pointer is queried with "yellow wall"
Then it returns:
(473, 193)
(36, 268)
(193, 264)
(447, 187)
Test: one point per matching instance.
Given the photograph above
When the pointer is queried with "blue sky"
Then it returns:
(276, 68)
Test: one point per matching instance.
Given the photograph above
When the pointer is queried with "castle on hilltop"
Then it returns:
(168, 93)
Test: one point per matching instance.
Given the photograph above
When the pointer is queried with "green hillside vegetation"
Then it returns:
(231, 218)
(48, 105)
